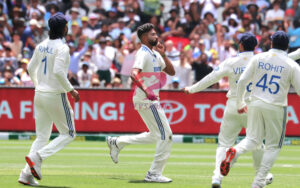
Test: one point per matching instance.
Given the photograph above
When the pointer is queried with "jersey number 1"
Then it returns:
(45, 61)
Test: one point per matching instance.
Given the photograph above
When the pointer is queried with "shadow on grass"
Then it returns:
(132, 181)
(143, 181)
(137, 181)
(129, 181)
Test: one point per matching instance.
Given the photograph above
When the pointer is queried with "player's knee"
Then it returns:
(42, 139)
(70, 137)
(73, 136)
(156, 136)
(224, 144)
(168, 135)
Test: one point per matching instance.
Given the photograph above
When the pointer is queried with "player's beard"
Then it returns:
(153, 42)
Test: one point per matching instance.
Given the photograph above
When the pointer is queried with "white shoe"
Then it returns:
(114, 150)
(216, 184)
(269, 179)
(27, 179)
(35, 163)
(157, 178)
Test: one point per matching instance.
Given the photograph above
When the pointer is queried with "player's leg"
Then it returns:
(275, 122)
(62, 115)
(254, 137)
(257, 155)
(230, 128)
(43, 127)
(143, 138)
(255, 129)
(163, 146)
(116, 144)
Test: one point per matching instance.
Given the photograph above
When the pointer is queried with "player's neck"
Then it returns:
(149, 46)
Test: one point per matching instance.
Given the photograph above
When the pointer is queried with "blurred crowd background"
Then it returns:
(198, 35)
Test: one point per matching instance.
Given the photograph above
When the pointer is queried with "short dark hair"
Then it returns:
(280, 40)
(279, 46)
(145, 28)
(56, 33)
(248, 40)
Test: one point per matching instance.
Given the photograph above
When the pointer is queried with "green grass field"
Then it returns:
(88, 164)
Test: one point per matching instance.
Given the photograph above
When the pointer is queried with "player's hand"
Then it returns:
(243, 110)
(75, 95)
(160, 48)
(186, 91)
(150, 95)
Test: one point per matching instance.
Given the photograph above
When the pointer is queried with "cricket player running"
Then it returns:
(150, 61)
(271, 74)
(48, 70)
(232, 122)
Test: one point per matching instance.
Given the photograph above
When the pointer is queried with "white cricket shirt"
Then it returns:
(151, 64)
(48, 67)
(271, 74)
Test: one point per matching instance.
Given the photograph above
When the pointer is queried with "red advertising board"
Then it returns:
(112, 111)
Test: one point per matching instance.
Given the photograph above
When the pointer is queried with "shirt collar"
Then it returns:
(148, 49)
(278, 51)
(247, 53)
(57, 40)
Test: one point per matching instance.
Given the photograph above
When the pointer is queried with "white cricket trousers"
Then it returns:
(51, 108)
(265, 121)
(159, 132)
(231, 126)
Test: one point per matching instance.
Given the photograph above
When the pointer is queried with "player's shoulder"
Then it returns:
(43, 43)
(143, 52)
(291, 62)
(262, 54)
(62, 47)
(230, 61)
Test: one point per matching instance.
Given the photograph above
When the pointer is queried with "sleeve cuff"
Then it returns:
(190, 89)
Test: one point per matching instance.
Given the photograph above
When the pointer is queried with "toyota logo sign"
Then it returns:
(175, 111)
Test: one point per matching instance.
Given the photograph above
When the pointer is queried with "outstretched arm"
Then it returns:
(210, 79)
(295, 55)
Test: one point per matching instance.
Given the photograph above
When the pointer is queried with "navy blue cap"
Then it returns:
(58, 20)
(248, 40)
(280, 40)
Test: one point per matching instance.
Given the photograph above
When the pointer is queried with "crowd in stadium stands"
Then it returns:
(198, 35)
